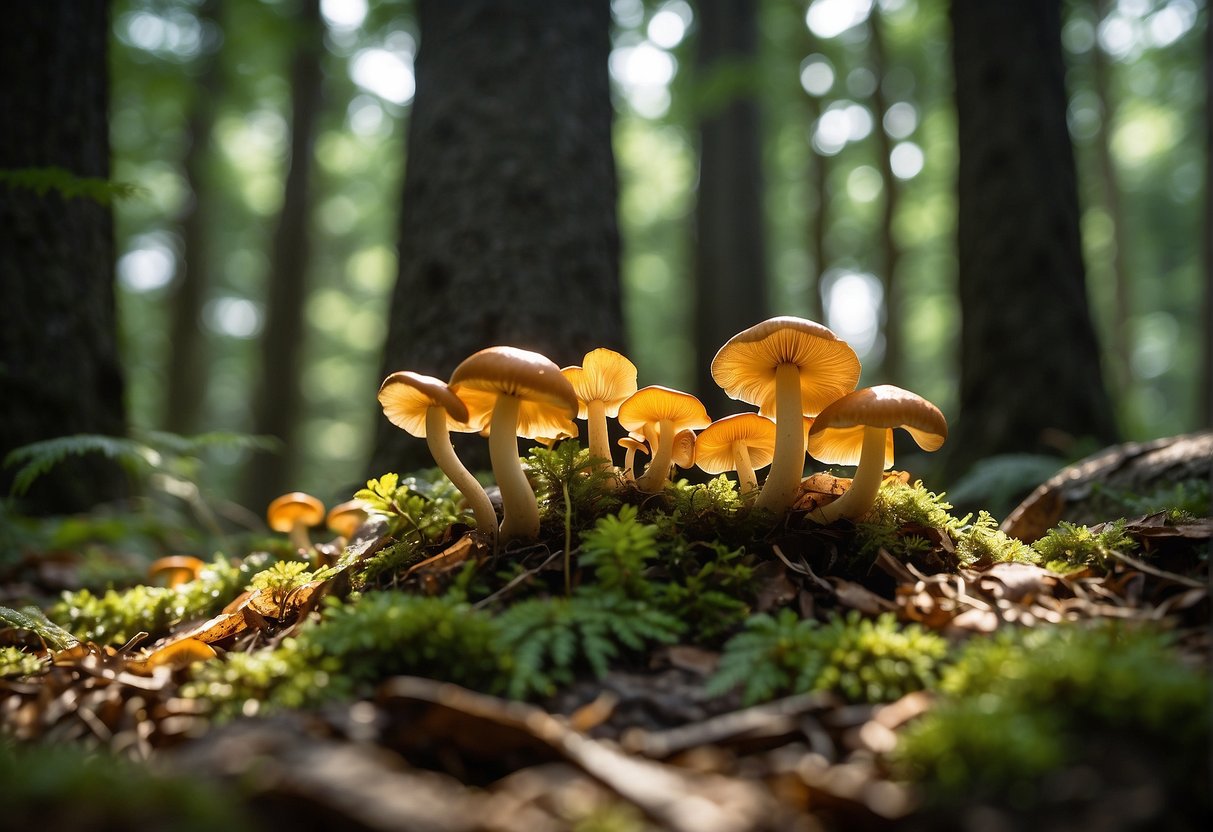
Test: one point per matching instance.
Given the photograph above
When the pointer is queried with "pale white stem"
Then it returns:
(856, 500)
(520, 520)
(600, 442)
(654, 477)
(438, 438)
(787, 467)
(629, 460)
(745, 468)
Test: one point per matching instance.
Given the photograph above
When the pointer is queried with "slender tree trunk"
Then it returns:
(730, 246)
(819, 218)
(1030, 377)
(188, 368)
(508, 233)
(278, 397)
(1206, 383)
(59, 366)
(892, 365)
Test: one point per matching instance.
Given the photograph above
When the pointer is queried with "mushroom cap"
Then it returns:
(714, 445)
(345, 518)
(684, 449)
(292, 509)
(535, 420)
(604, 376)
(653, 404)
(631, 443)
(745, 366)
(837, 433)
(406, 396)
(175, 569)
(526, 375)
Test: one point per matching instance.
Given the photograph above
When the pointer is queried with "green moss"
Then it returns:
(1072, 548)
(16, 662)
(981, 544)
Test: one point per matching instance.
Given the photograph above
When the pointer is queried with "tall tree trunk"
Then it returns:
(278, 396)
(730, 247)
(1206, 383)
(187, 371)
(508, 233)
(59, 367)
(1030, 378)
(889, 255)
(819, 217)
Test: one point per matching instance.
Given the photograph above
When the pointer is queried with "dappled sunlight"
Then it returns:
(830, 18)
(149, 265)
(386, 73)
(234, 317)
(853, 306)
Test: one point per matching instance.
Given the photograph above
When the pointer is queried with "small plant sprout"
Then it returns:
(602, 383)
(667, 412)
(794, 367)
(631, 445)
(174, 570)
(529, 397)
(858, 430)
(423, 406)
(293, 514)
(743, 443)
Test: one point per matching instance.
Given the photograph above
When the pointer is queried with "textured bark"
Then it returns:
(888, 252)
(59, 367)
(730, 249)
(278, 396)
(1030, 377)
(508, 233)
(185, 386)
(1206, 382)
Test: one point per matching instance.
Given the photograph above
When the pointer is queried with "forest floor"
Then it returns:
(670, 662)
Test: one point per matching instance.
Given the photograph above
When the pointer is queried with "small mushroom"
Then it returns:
(684, 449)
(346, 518)
(858, 429)
(631, 445)
(425, 406)
(603, 381)
(796, 367)
(743, 443)
(666, 412)
(175, 570)
(530, 395)
(294, 513)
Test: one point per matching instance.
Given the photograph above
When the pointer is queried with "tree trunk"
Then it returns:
(819, 217)
(730, 248)
(278, 396)
(1206, 382)
(59, 367)
(1030, 377)
(508, 232)
(892, 364)
(188, 367)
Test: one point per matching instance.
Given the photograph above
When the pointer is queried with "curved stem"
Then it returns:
(438, 438)
(654, 477)
(857, 499)
(745, 469)
(787, 467)
(629, 460)
(520, 519)
(600, 442)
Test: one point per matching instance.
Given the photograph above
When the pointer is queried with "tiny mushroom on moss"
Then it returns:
(294, 513)
(175, 570)
(603, 381)
(795, 367)
(529, 397)
(857, 429)
(346, 518)
(743, 443)
(426, 407)
(666, 412)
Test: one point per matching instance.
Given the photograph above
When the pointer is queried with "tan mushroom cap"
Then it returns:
(523, 374)
(654, 404)
(175, 570)
(345, 518)
(631, 443)
(535, 420)
(745, 366)
(714, 445)
(295, 508)
(604, 376)
(837, 433)
(406, 396)
(684, 449)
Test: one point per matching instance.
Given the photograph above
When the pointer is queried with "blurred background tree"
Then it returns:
(852, 102)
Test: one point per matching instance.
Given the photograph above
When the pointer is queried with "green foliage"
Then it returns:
(1189, 498)
(419, 508)
(863, 660)
(36, 622)
(16, 662)
(710, 588)
(982, 544)
(619, 549)
(568, 466)
(68, 185)
(1071, 548)
(282, 578)
(115, 617)
(899, 505)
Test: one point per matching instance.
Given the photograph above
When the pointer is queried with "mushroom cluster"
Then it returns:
(799, 374)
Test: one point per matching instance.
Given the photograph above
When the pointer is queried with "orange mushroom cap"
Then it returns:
(294, 509)
(653, 404)
(605, 376)
(406, 396)
(714, 445)
(837, 433)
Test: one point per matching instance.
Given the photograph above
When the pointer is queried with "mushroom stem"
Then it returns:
(438, 438)
(520, 520)
(299, 536)
(787, 467)
(655, 476)
(629, 461)
(745, 469)
(600, 442)
(857, 499)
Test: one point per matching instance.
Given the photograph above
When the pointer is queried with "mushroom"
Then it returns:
(631, 445)
(796, 367)
(684, 449)
(345, 518)
(602, 383)
(175, 570)
(858, 429)
(294, 513)
(530, 397)
(426, 407)
(666, 412)
(743, 443)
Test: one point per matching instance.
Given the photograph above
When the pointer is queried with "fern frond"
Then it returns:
(37, 458)
(69, 185)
